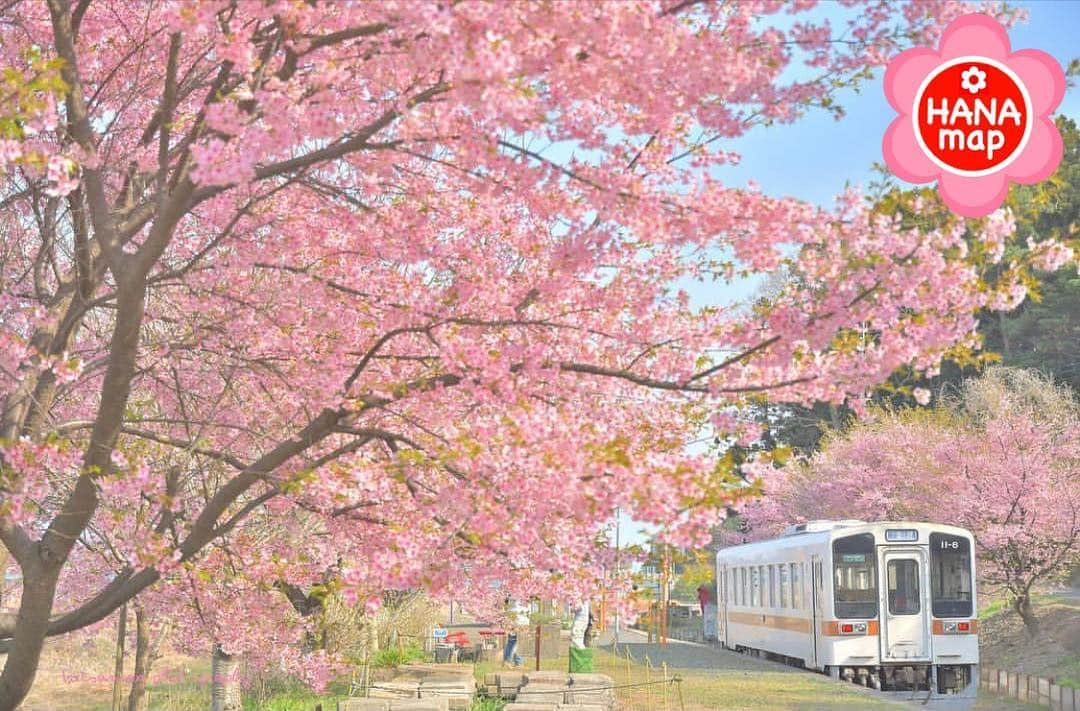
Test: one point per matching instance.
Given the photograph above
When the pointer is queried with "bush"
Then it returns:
(394, 656)
(487, 705)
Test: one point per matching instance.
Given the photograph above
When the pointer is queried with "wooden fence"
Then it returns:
(1032, 689)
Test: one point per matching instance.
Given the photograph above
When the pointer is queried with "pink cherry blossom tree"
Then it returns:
(405, 275)
(1000, 460)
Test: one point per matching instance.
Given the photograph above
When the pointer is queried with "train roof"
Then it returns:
(819, 532)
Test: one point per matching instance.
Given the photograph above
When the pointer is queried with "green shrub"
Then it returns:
(394, 656)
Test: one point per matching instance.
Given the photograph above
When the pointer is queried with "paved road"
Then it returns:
(687, 655)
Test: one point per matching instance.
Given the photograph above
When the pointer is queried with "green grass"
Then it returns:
(487, 705)
(994, 607)
(393, 656)
(1070, 675)
(1000, 604)
(759, 690)
(297, 700)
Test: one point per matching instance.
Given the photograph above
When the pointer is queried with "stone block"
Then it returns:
(363, 705)
(547, 677)
(525, 697)
(420, 705)
(592, 698)
(507, 680)
(394, 690)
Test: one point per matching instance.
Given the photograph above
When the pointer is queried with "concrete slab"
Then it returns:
(420, 705)
(363, 705)
(508, 679)
(547, 677)
(590, 698)
(526, 698)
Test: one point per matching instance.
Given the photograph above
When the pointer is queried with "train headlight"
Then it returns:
(955, 626)
(835, 629)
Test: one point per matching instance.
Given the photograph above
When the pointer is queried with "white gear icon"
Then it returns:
(973, 79)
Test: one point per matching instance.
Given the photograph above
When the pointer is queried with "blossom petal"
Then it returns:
(903, 155)
(904, 75)
(977, 34)
(1041, 155)
(973, 197)
(1043, 77)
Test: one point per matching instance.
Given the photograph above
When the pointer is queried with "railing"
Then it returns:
(1032, 689)
(639, 684)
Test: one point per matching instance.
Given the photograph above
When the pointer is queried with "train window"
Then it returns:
(796, 587)
(745, 596)
(855, 576)
(772, 586)
(762, 599)
(903, 586)
(784, 585)
(950, 575)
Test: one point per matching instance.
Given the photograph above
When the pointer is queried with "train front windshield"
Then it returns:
(855, 574)
(950, 575)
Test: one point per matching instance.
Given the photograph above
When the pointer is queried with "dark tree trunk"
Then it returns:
(1022, 605)
(1006, 344)
(144, 658)
(225, 686)
(118, 669)
(28, 639)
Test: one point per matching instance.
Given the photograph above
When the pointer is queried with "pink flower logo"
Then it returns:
(973, 115)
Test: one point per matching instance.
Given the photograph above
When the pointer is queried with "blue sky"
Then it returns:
(815, 157)
(812, 159)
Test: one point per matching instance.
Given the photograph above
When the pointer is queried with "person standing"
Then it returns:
(518, 617)
(704, 596)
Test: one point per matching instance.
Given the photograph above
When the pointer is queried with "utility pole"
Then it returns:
(665, 579)
(617, 579)
(539, 631)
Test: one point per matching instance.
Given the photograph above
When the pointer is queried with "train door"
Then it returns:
(905, 620)
(815, 606)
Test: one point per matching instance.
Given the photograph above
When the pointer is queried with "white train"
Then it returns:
(890, 605)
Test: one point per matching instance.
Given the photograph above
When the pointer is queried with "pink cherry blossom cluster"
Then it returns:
(1003, 467)
(397, 292)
